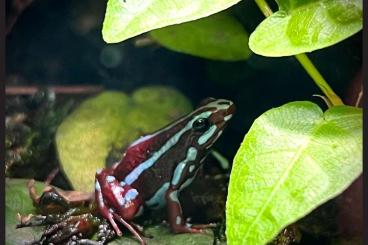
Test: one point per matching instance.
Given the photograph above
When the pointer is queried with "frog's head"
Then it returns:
(208, 122)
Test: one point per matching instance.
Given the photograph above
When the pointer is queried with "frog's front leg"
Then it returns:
(183, 176)
(175, 214)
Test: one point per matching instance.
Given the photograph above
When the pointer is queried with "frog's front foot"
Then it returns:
(175, 216)
(204, 226)
(187, 228)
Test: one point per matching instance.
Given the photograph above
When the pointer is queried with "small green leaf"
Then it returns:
(305, 26)
(128, 18)
(218, 37)
(293, 159)
(17, 200)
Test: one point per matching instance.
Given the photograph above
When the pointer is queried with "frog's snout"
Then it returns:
(231, 109)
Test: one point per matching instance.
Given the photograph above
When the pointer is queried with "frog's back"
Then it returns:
(149, 160)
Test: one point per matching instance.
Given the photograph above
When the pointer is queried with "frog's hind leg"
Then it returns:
(110, 215)
(117, 201)
(105, 212)
(130, 228)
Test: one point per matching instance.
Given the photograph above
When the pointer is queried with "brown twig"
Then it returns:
(30, 90)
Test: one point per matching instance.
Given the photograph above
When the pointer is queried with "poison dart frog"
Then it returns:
(156, 167)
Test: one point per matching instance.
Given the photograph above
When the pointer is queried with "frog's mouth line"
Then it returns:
(231, 110)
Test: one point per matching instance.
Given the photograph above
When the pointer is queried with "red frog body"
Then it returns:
(156, 167)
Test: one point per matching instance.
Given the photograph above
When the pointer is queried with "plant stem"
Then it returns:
(307, 64)
(318, 79)
(264, 7)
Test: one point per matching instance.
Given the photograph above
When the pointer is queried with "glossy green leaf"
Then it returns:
(293, 159)
(17, 200)
(112, 120)
(129, 18)
(305, 26)
(218, 37)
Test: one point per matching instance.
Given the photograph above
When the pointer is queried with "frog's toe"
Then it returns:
(204, 226)
(178, 229)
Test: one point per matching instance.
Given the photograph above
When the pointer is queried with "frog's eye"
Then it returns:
(201, 124)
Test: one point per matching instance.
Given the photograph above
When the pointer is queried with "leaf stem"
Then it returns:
(264, 7)
(307, 63)
(318, 79)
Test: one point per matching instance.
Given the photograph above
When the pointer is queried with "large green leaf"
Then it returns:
(112, 120)
(218, 37)
(304, 26)
(128, 18)
(293, 159)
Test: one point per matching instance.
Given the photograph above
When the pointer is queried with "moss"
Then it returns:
(112, 120)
